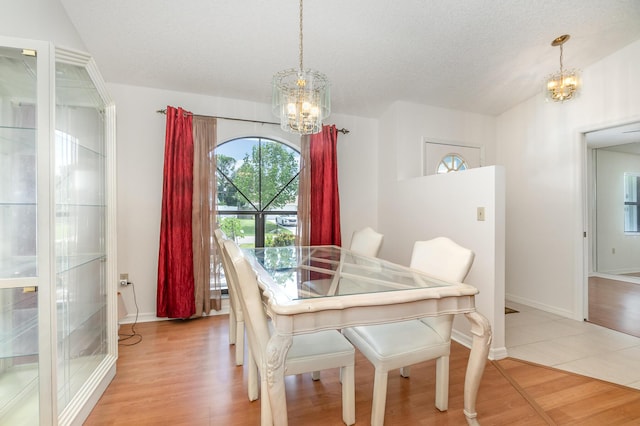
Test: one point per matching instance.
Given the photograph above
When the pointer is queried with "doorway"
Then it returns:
(612, 251)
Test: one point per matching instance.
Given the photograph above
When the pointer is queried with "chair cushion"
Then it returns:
(319, 351)
(398, 344)
(319, 343)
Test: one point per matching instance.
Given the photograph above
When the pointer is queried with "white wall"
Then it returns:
(140, 147)
(39, 20)
(617, 252)
(542, 149)
(413, 207)
(403, 128)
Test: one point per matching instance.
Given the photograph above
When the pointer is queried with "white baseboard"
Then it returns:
(543, 307)
(624, 278)
(496, 354)
(151, 316)
(461, 338)
(465, 340)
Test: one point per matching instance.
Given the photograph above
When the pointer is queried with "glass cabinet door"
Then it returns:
(19, 354)
(80, 230)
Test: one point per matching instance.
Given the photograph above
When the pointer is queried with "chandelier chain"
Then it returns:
(300, 47)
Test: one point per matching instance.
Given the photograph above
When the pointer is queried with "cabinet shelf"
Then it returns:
(16, 127)
(17, 139)
(21, 338)
(25, 266)
(9, 204)
(64, 264)
(19, 407)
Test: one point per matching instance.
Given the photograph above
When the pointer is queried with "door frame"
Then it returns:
(588, 211)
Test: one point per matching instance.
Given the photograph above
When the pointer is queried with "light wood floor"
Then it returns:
(182, 373)
(615, 304)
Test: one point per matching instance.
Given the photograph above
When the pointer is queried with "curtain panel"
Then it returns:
(175, 292)
(324, 201)
(208, 293)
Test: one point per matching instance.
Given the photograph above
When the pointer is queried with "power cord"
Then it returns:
(125, 337)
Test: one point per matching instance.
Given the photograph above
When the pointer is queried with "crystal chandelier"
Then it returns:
(301, 97)
(564, 84)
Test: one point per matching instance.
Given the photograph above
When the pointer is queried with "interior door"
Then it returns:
(436, 152)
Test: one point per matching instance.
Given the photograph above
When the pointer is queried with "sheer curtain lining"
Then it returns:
(204, 192)
(304, 192)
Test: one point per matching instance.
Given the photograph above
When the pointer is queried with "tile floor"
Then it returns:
(580, 347)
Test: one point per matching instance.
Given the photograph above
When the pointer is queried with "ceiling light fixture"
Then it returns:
(564, 84)
(301, 97)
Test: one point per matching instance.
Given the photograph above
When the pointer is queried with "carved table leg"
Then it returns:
(481, 331)
(277, 349)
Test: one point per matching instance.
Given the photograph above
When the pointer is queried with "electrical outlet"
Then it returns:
(123, 283)
(480, 214)
(124, 280)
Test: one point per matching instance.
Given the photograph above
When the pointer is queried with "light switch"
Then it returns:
(480, 214)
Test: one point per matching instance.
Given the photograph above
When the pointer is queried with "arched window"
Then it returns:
(257, 191)
(451, 163)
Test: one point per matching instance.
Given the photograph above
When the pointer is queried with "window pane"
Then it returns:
(631, 219)
(239, 228)
(279, 166)
(235, 172)
(451, 163)
(631, 187)
(631, 202)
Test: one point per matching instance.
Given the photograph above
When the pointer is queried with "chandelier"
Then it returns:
(564, 84)
(301, 97)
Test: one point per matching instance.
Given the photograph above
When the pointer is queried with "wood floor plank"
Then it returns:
(615, 304)
(183, 373)
(572, 399)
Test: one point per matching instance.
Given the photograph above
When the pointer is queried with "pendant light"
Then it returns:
(301, 97)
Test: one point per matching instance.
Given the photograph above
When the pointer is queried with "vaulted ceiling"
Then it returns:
(473, 55)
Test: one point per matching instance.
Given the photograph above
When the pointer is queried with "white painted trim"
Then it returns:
(585, 199)
(625, 278)
(461, 338)
(87, 397)
(151, 316)
(466, 341)
(543, 307)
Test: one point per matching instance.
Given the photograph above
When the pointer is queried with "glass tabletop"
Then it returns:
(325, 271)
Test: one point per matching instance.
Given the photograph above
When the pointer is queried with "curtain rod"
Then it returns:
(164, 111)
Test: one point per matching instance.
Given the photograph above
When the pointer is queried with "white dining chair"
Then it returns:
(401, 344)
(308, 353)
(366, 241)
(236, 318)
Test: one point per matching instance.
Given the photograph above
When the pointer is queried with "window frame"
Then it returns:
(628, 204)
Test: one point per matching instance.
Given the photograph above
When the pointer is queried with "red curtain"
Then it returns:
(175, 298)
(324, 202)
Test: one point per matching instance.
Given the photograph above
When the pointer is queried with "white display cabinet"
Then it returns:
(58, 323)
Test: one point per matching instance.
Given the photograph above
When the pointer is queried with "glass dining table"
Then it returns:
(308, 289)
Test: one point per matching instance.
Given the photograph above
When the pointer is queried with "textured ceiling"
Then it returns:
(473, 55)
